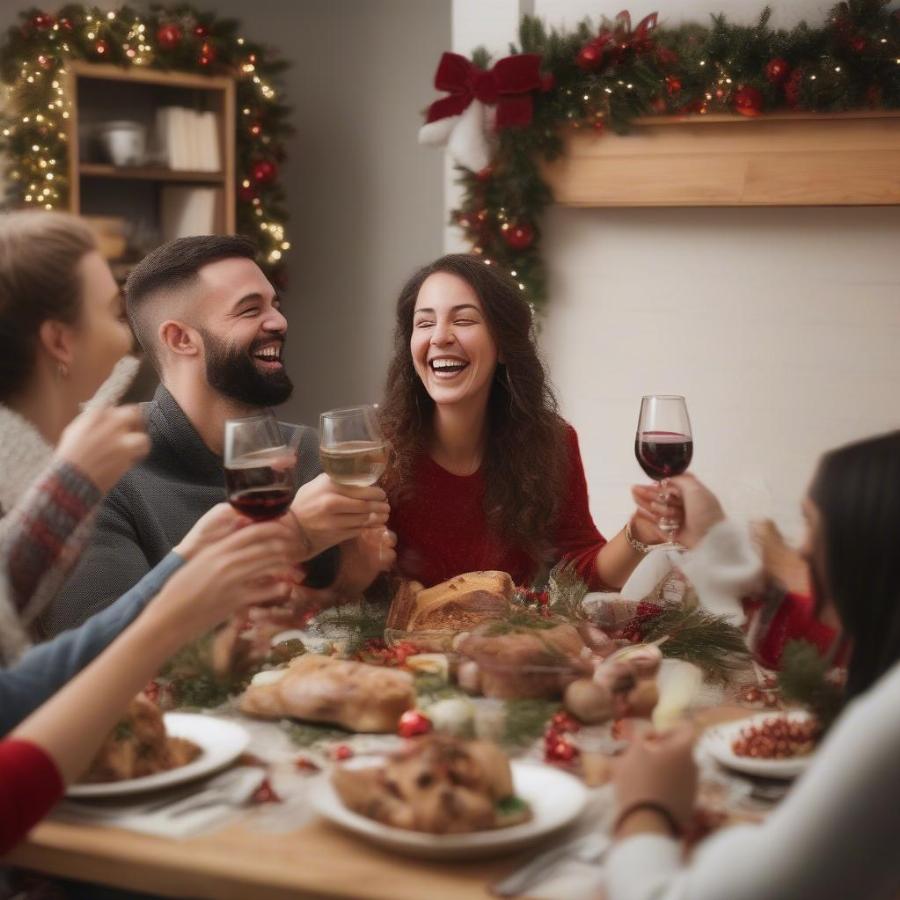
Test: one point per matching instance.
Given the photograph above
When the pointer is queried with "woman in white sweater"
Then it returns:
(832, 837)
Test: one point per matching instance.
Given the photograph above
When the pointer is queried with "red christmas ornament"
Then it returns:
(486, 174)
(45, 61)
(101, 47)
(65, 24)
(673, 84)
(168, 36)
(42, 21)
(264, 171)
(207, 54)
(201, 31)
(256, 129)
(413, 723)
(858, 44)
(548, 82)
(341, 752)
(519, 237)
(748, 101)
(589, 57)
(777, 70)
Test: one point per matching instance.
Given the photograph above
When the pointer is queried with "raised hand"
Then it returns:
(105, 443)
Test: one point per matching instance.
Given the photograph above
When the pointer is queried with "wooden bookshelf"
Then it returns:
(148, 173)
(103, 93)
(788, 159)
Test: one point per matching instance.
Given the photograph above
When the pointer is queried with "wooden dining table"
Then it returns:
(237, 863)
(317, 860)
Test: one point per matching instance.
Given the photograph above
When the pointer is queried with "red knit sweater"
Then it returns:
(442, 530)
(30, 785)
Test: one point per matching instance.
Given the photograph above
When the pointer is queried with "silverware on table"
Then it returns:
(588, 848)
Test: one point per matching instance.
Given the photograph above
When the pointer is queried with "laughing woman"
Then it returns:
(485, 474)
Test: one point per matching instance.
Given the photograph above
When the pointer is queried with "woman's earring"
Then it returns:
(62, 370)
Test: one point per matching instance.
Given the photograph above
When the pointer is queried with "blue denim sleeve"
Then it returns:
(43, 670)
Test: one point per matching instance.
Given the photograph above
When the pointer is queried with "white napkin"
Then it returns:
(145, 816)
(649, 573)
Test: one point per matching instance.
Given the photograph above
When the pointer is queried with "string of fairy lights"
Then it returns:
(36, 126)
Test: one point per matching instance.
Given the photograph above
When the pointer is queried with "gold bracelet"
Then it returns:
(634, 543)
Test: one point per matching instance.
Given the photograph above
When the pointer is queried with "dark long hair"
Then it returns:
(526, 459)
(857, 492)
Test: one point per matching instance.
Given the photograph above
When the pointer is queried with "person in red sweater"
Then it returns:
(484, 472)
(247, 564)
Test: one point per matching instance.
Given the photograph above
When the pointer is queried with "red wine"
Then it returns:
(663, 454)
(261, 485)
(262, 503)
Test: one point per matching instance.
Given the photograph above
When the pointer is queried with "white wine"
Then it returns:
(356, 463)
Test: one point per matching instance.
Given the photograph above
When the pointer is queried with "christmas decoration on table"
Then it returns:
(806, 678)
(599, 79)
(558, 745)
(33, 129)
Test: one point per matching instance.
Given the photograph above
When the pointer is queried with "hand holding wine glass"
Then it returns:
(260, 467)
(664, 445)
(352, 450)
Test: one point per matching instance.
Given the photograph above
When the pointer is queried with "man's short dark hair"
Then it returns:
(174, 266)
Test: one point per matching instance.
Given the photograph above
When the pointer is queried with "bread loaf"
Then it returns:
(354, 695)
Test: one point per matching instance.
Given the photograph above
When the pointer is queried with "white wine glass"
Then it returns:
(353, 451)
(664, 445)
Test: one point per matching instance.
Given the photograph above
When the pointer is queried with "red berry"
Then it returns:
(413, 723)
(341, 752)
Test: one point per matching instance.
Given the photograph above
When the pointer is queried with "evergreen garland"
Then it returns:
(804, 679)
(850, 62)
(175, 37)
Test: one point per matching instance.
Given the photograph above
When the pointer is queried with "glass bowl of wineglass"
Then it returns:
(664, 445)
(260, 467)
(353, 452)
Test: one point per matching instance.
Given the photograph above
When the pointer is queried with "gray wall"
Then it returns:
(365, 200)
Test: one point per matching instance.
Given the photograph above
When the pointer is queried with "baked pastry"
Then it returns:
(454, 605)
(354, 695)
(139, 746)
(437, 783)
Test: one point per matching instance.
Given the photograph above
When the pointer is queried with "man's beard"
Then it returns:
(232, 371)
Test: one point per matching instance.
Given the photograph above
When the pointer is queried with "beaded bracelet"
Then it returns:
(634, 543)
(653, 806)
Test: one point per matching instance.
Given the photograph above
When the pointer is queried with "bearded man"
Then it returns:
(211, 323)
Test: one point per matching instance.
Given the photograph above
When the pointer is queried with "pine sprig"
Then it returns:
(566, 593)
(699, 637)
(804, 679)
(526, 720)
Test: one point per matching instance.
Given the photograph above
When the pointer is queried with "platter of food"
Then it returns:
(442, 798)
(145, 755)
(770, 745)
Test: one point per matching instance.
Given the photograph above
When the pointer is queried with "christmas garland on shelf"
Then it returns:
(33, 132)
(501, 123)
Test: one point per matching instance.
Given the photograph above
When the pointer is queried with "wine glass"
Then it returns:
(260, 467)
(663, 444)
(352, 449)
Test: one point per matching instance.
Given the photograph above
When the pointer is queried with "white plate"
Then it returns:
(718, 740)
(220, 743)
(556, 800)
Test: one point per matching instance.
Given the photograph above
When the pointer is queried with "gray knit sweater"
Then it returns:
(152, 508)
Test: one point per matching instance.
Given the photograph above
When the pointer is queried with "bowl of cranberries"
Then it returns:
(772, 745)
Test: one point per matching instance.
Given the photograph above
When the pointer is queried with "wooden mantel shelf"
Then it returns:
(842, 159)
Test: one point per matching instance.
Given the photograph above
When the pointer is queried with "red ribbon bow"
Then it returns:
(621, 38)
(508, 85)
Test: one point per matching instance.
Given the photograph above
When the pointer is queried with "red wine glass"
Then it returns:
(663, 444)
(260, 467)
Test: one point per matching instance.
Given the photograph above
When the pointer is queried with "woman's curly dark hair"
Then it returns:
(526, 459)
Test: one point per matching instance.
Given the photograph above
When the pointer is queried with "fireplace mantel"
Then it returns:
(841, 159)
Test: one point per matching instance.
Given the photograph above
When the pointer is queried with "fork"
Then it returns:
(588, 848)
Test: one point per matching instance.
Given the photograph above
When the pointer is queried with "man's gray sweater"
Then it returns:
(152, 508)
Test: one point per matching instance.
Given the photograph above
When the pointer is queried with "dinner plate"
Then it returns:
(556, 800)
(718, 740)
(220, 743)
